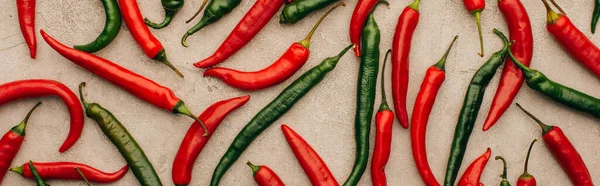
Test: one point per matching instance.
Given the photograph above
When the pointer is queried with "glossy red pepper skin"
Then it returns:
(194, 142)
(567, 156)
(407, 23)
(312, 164)
(474, 5)
(255, 19)
(383, 144)
(10, 143)
(511, 80)
(66, 171)
(473, 173)
(40, 88)
(139, 30)
(526, 182)
(359, 16)
(264, 176)
(26, 12)
(576, 43)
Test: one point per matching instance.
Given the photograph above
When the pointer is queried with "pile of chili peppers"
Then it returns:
(365, 38)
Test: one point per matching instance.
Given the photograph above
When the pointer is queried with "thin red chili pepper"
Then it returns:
(519, 26)
(264, 176)
(255, 19)
(289, 63)
(140, 86)
(66, 171)
(194, 142)
(359, 16)
(383, 135)
(40, 88)
(314, 167)
(434, 77)
(475, 7)
(26, 11)
(473, 173)
(10, 143)
(139, 30)
(564, 152)
(407, 22)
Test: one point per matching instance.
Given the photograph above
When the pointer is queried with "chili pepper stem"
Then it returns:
(384, 105)
(20, 128)
(81, 97)
(180, 108)
(442, 63)
(545, 128)
(254, 168)
(306, 41)
(504, 171)
(528, 72)
(197, 12)
(18, 170)
(525, 173)
(414, 5)
(557, 6)
(551, 15)
(83, 177)
(169, 14)
(162, 57)
(477, 14)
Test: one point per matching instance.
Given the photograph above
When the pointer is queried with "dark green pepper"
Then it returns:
(299, 9)
(38, 179)
(214, 11)
(112, 26)
(595, 15)
(171, 7)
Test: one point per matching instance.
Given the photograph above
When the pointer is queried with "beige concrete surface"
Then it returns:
(325, 117)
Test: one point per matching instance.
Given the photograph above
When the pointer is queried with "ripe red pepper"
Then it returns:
(314, 167)
(407, 22)
(11, 142)
(26, 11)
(564, 152)
(527, 179)
(67, 171)
(475, 7)
(39, 88)
(140, 86)
(137, 27)
(519, 26)
(289, 63)
(264, 176)
(255, 19)
(359, 17)
(473, 173)
(432, 82)
(194, 142)
(383, 135)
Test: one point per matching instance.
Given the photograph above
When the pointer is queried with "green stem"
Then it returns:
(442, 63)
(545, 128)
(197, 12)
(306, 41)
(528, 72)
(254, 168)
(384, 105)
(527, 159)
(162, 57)
(504, 172)
(415, 5)
(85, 103)
(180, 108)
(557, 6)
(477, 14)
(18, 170)
(20, 128)
(169, 14)
(83, 177)
(551, 15)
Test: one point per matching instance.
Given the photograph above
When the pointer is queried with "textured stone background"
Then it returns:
(324, 117)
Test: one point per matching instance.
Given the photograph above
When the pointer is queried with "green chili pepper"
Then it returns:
(273, 111)
(470, 109)
(38, 180)
(299, 9)
(595, 15)
(112, 26)
(537, 81)
(125, 143)
(214, 11)
(171, 7)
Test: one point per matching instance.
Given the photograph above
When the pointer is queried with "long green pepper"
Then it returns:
(171, 8)
(273, 111)
(38, 179)
(470, 109)
(537, 81)
(125, 143)
(112, 26)
(299, 9)
(214, 11)
(595, 15)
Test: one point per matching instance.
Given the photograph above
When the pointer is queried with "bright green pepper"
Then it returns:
(214, 11)
(38, 179)
(112, 26)
(171, 7)
(299, 9)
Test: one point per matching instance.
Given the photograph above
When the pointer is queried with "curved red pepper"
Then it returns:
(473, 173)
(383, 135)
(312, 164)
(512, 77)
(359, 16)
(264, 176)
(66, 171)
(39, 88)
(26, 11)
(407, 22)
(10, 143)
(254, 20)
(194, 142)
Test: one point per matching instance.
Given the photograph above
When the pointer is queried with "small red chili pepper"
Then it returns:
(383, 135)
(140, 86)
(475, 7)
(137, 27)
(255, 19)
(67, 171)
(194, 142)
(11, 142)
(407, 22)
(264, 176)
(511, 80)
(564, 152)
(473, 173)
(314, 167)
(289, 63)
(39, 88)
(432, 82)
(527, 179)
(26, 11)
(359, 17)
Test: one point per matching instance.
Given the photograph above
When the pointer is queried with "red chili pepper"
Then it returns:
(527, 179)
(383, 135)
(432, 82)
(137, 27)
(39, 88)
(314, 167)
(289, 63)
(475, 7)
(67, 171)
(11, 142)
(512, 77)
(194, 142)
(473, 173)
(26, 11)
(140, 86)
(264, 176)
(254, 20)
(564, 152)
(407, 22)
(359, 16)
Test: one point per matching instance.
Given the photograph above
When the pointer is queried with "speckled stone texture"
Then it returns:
(325, 117)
